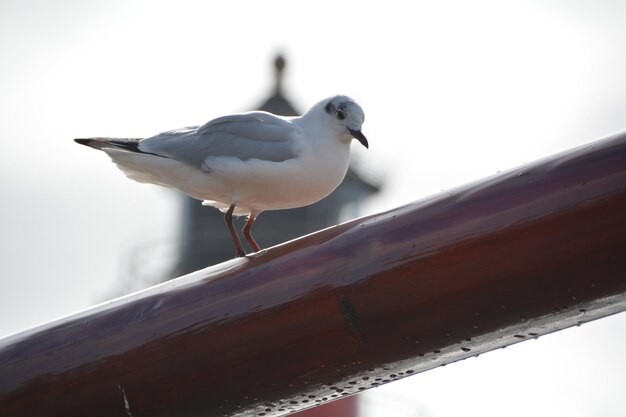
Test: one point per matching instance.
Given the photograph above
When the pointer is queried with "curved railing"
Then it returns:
(510, 258)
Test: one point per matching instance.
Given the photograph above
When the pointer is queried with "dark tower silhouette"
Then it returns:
(204, 238)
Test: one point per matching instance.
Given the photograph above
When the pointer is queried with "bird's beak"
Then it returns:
(358, 135)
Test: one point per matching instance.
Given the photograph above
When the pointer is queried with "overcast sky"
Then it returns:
(453, 91)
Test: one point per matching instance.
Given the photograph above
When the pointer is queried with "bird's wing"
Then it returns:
(255, 135)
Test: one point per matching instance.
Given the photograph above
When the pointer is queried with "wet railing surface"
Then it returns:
(516, 256)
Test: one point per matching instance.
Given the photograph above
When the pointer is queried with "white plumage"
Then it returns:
(247, 163)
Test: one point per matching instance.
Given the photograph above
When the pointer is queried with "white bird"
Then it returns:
(244, 164)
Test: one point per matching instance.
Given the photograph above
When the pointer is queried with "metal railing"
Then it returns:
(518, 255)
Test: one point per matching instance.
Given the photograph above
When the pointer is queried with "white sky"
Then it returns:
(453, 91)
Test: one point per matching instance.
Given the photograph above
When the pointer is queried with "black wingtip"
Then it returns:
(83, 141)
(125, 144)
(99, 143)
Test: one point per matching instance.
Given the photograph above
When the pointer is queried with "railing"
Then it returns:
(524, 253)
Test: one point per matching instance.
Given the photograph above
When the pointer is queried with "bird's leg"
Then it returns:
(247, 233)
(233, 233)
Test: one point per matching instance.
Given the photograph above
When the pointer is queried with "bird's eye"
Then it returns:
(340, 115)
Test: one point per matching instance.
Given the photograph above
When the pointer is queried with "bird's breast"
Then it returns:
(259, 185)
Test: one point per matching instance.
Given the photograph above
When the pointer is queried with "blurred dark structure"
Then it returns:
(204, 238)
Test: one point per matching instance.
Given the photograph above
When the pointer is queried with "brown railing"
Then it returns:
(524, 253)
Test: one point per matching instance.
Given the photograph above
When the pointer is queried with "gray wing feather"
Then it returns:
(255, 135)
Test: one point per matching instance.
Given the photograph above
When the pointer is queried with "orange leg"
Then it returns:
(247, 233)
(233, 233)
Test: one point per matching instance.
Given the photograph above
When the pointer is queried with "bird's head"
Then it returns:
(345, 116)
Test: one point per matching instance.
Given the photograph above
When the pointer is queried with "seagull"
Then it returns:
(244, 164)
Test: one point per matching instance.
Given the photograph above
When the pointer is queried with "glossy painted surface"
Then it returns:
(516, 256)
